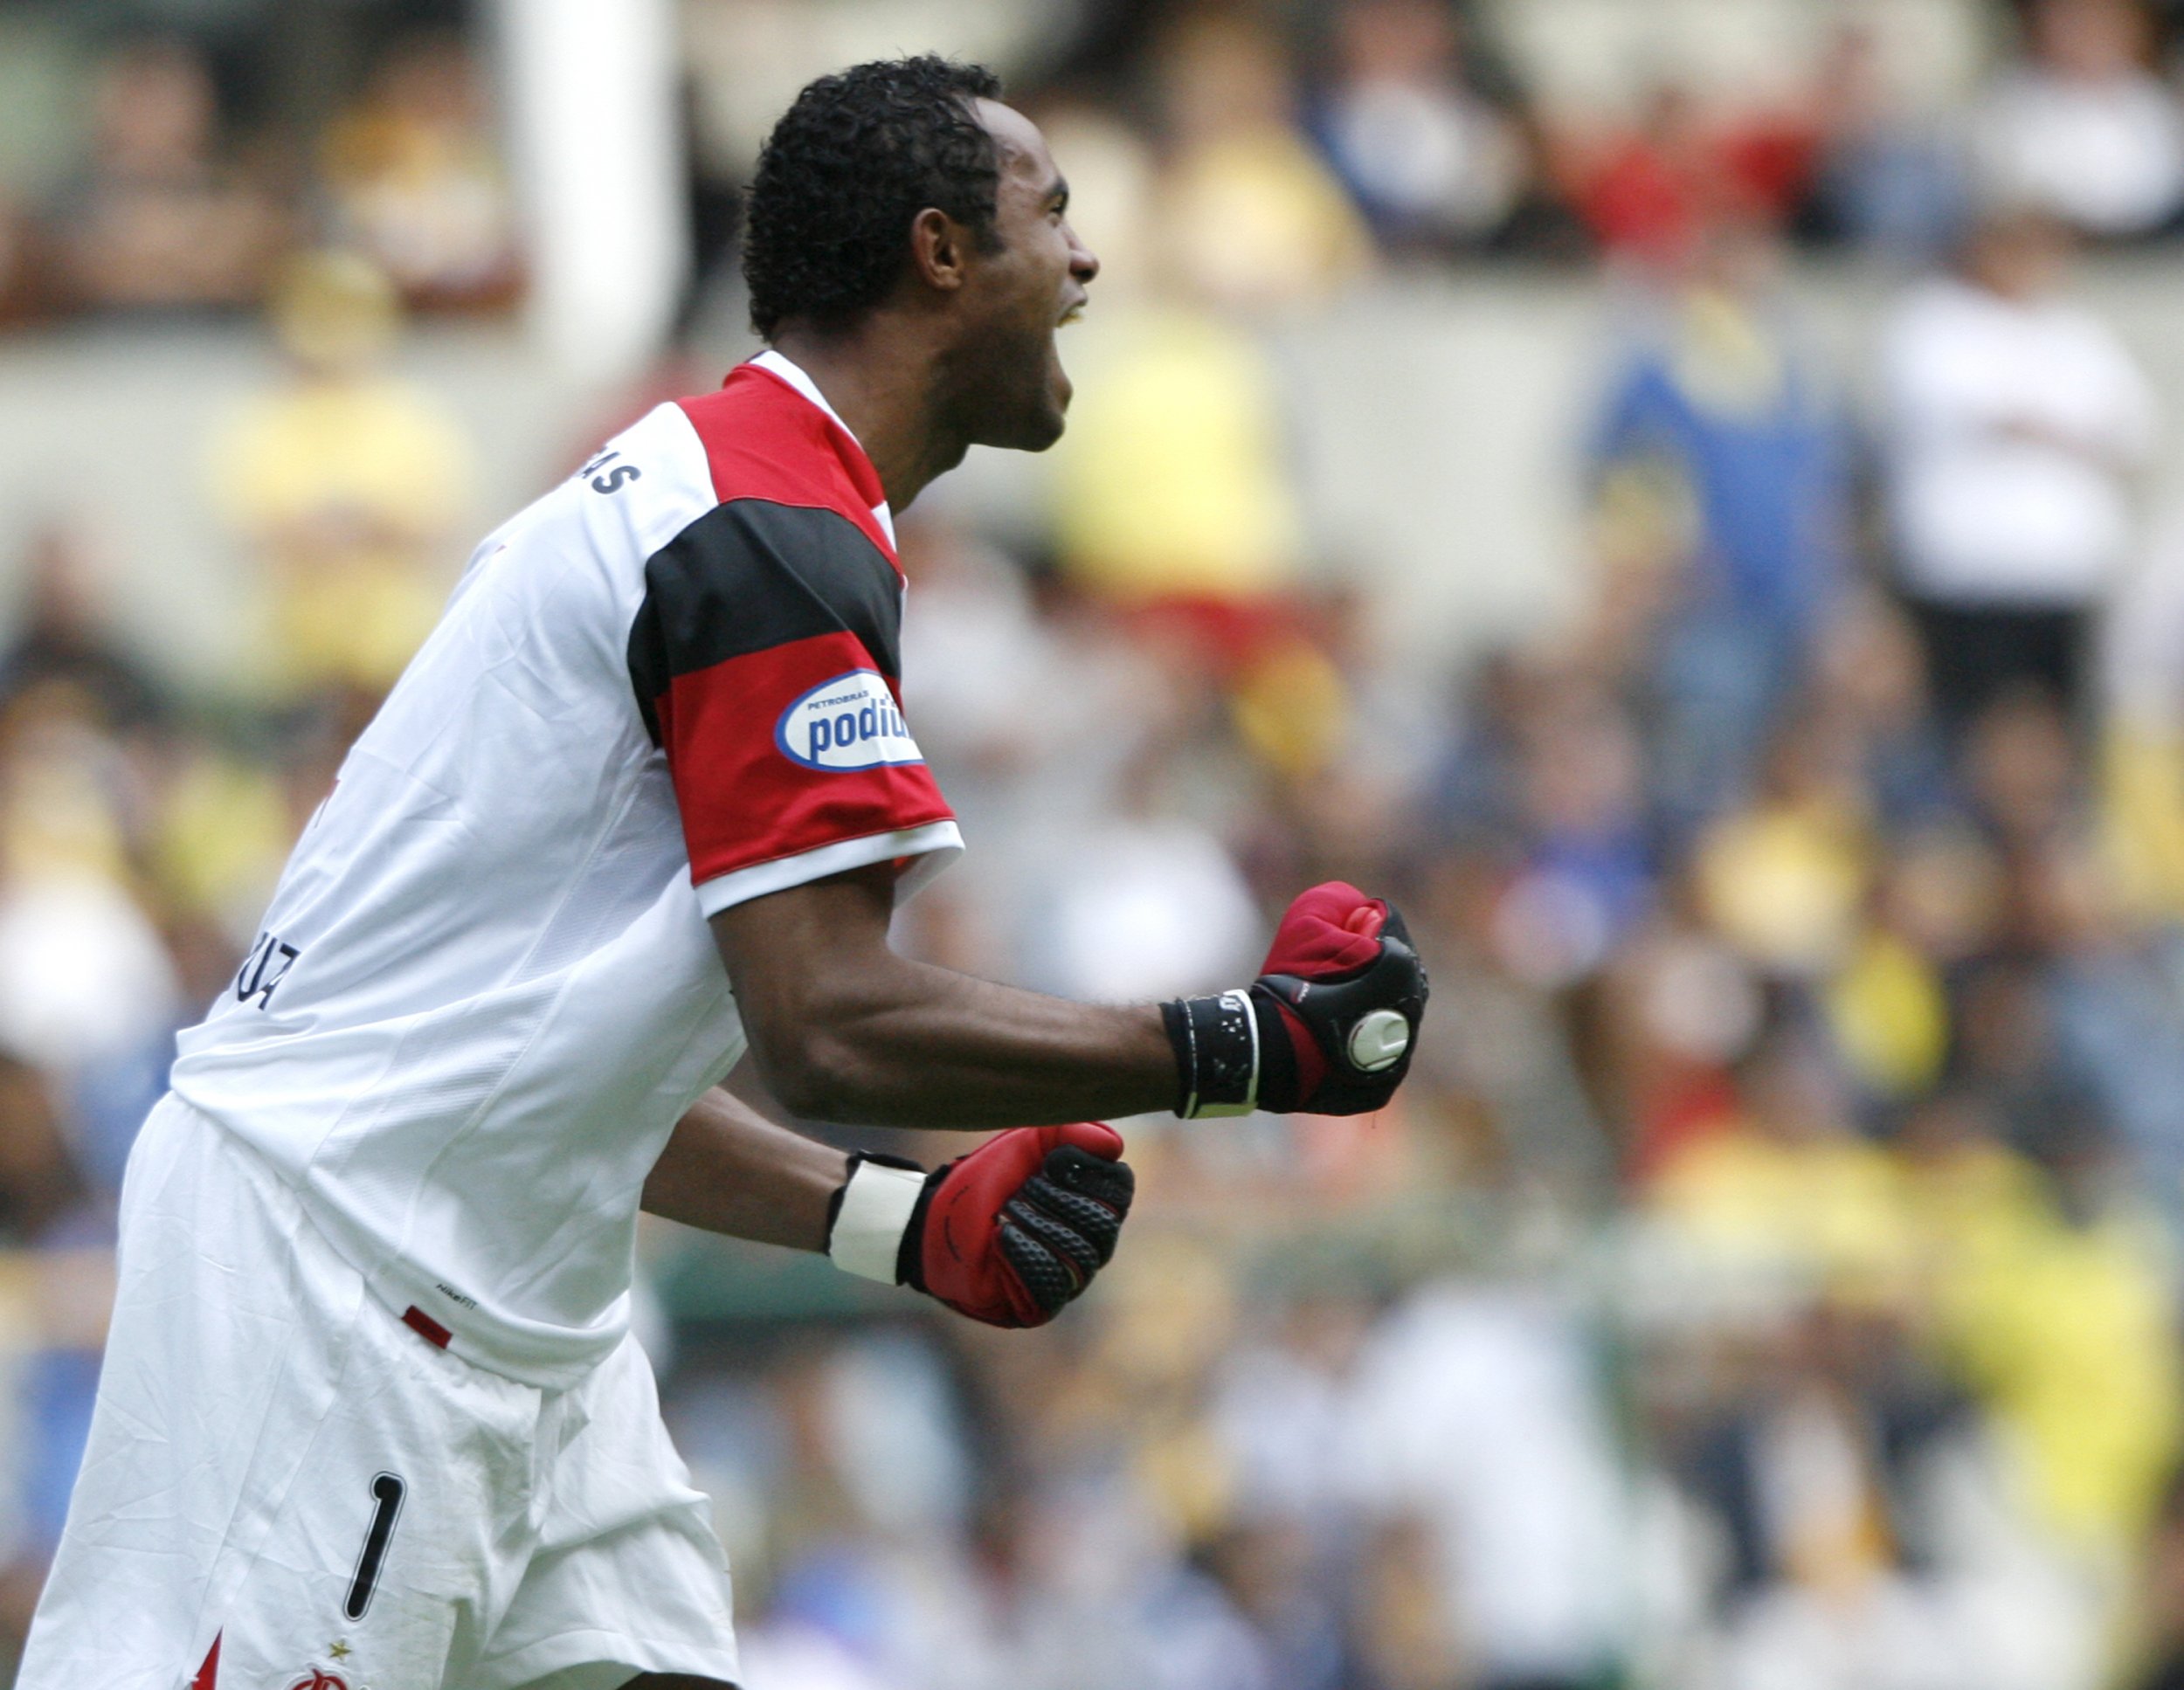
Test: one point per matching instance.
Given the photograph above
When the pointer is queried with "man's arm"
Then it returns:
(844, 1028)
(727, 1168)
(1007, 1234)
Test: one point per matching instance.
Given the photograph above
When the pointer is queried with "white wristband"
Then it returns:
(877, 1205)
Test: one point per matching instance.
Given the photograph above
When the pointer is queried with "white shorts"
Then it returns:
(287, 1486)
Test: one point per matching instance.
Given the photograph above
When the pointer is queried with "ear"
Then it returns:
(940, 248)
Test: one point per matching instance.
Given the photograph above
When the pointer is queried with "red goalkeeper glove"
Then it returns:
(1007, 1234)
(1328, 1027)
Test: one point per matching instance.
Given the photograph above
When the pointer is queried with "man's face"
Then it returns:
(1012, 389)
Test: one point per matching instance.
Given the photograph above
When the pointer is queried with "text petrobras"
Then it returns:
(848, 723)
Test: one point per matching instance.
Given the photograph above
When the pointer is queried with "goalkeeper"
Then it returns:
(371, 1414)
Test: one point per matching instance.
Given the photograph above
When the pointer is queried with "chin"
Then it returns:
(1033, 433)
(1023, 399)
(1053, 418)
(1046, 419)
(1031, 426)
(1052, 410)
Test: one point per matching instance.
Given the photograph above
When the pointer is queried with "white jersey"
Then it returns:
(486, 991)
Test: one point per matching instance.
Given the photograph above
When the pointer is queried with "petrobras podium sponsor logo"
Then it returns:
(846, 724)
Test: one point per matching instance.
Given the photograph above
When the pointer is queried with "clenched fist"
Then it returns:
(1328, 1027)
(1007, 1234)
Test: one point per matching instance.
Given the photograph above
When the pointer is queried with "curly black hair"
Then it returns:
(859, 155)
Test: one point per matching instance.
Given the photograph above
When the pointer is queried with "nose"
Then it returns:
(1084, 264)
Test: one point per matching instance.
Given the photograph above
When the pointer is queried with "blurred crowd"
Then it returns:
(153, 194)
(1767, 1280)
(153, 171)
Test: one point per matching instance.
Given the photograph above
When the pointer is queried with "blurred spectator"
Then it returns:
(2014, 421)
(1835, 155)
(2083, 129)
(39, 1186)
(1172, 500)
(1251, 217)
(1686, 1008)
(1886, 178)
(1788, 1196)
(1719, 398)
(63, 636)
(2008, 1061)
(1647, 191)
(1477, 1423)
(1769, 155)
(2053, 1308)
(1264, 1566)
(1509, 1101)
(1587, 875)
(1431, 161)
(1868, 684)
(1148, 906)
(1279, 1405)
(346, 480)
(1784, 877)
(161, 218)
(2024, 785)
(416, 180)
(2114, 996)
(1653, 190)
(84, 978)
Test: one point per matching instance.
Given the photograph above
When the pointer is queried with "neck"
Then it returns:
(883, 382)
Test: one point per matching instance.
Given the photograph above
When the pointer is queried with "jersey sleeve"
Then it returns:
(764, 656)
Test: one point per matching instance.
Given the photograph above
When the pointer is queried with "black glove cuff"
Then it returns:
(1217, 1053)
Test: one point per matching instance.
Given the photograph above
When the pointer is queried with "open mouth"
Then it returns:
(1074, 313)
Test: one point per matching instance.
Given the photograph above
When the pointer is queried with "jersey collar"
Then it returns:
(788, 370)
